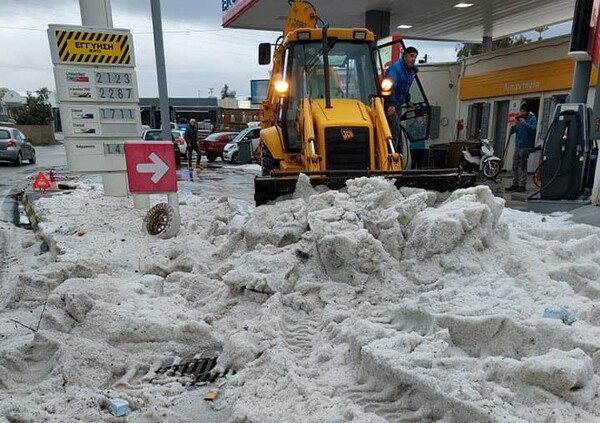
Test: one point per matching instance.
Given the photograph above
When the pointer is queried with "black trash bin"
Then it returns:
(437, 156)
(245, 151)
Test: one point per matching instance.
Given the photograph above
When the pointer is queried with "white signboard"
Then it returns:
(97, 90)
(513, 111)
(89, 121)
(102, 84)
(95, 155)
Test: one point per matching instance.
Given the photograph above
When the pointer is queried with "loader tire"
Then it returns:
(267, 162)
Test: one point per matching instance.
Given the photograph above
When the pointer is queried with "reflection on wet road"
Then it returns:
(218, 179)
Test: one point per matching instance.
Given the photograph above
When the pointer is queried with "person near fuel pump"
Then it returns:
(524, 129)
(402, 73)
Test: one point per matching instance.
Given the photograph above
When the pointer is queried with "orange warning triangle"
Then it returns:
(41, 182)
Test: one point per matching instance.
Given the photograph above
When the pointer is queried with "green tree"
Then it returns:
(472, 49)
(227, 93)
(37, 110)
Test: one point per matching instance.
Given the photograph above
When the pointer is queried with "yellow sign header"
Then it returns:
(556, 75)
(93, 47)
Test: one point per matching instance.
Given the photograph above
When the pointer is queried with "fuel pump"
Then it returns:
(566, 154)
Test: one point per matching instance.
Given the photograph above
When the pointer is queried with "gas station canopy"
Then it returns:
(429, 19)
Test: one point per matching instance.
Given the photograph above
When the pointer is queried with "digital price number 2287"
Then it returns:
(115, 93)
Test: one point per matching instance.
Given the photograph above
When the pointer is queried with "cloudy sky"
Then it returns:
(201, 56)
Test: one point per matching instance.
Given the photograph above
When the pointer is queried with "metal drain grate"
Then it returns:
(198, 368)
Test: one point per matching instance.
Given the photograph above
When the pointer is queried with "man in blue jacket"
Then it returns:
(524, 130)
(402, 73)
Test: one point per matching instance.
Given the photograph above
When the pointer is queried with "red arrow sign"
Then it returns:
(150, 167)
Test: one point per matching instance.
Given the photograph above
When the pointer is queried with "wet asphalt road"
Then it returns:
(216, 179)
(14, 179)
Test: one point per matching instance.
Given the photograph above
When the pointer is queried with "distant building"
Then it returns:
(221, 113)
(10, 102)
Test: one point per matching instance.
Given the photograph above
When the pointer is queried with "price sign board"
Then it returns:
(96, 86)
(98, 155)
(86, 45)
(90, 121)
(101, 84)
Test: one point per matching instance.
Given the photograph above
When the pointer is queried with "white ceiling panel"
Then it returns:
(430, 19)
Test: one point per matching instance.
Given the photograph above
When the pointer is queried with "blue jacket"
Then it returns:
(403, 79)
(525, 132)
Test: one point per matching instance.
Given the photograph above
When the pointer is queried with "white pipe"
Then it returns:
(96, 13)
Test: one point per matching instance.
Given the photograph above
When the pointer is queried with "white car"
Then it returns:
(231, 150)
(180, 140)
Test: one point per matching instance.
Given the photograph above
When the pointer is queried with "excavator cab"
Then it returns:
(344, 76)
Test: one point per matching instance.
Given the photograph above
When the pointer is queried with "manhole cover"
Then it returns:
(199, 369)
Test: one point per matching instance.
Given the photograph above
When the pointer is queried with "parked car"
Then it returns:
(231, 150)
(180, 140)
(205, 128)
(156, 135)
(212, 146)
(15, 146)
(145, 128)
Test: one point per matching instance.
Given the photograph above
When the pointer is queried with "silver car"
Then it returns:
(231, 149)
(15, 146)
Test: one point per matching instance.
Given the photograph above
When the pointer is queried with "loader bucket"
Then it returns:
(268, 188)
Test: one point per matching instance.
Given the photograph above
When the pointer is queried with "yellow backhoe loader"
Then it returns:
(324, 114)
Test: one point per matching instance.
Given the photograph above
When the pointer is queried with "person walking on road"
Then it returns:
(524, 130)
(191, 139)
(402, 73)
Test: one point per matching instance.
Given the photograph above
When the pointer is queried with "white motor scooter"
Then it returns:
(481, 160)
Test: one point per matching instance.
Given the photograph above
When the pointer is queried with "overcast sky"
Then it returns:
(200, 54)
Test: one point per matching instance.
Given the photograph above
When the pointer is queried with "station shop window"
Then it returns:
(478, 120)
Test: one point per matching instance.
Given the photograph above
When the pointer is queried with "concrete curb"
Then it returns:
(33, 220)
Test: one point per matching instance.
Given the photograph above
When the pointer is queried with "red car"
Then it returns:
(213, 145)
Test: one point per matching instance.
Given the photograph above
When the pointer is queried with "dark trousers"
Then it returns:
(417, 158)
(394, 123)
(190, 150)
(519, 166)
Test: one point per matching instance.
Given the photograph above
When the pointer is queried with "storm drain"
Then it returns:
(199, 369)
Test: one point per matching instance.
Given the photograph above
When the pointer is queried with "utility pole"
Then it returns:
(161, 70)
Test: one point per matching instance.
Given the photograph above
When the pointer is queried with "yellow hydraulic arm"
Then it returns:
(302, 15)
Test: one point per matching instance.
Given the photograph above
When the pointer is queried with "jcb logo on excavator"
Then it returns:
(347, 134)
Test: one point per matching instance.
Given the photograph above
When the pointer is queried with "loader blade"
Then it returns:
(268, 188)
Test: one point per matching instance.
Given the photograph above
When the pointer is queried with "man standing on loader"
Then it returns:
(402, 73)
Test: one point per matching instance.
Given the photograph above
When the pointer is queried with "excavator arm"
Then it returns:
(302, 15)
